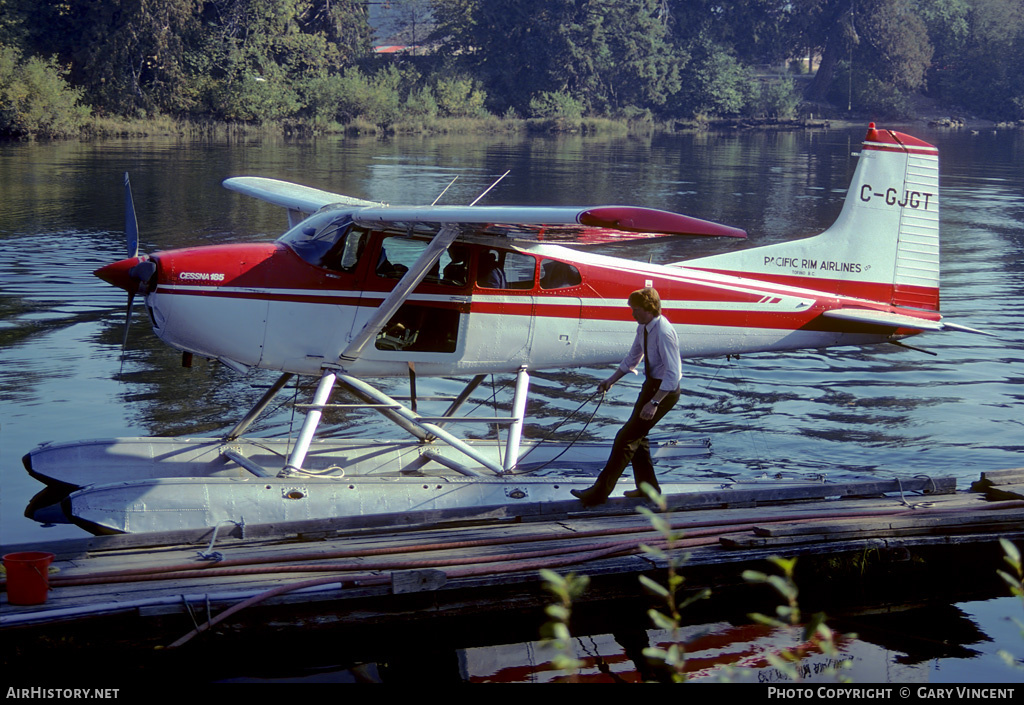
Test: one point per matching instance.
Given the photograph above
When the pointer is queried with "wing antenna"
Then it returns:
(490, 187)
(445, 190)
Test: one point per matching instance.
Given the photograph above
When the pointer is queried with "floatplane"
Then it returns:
(356, 290)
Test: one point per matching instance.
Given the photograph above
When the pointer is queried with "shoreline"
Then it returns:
(112, 128)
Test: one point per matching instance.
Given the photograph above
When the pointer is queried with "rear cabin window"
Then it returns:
(501, 269)
(558, 275)
(399, 253)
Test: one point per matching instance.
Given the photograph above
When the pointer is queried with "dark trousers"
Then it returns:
(631, 444)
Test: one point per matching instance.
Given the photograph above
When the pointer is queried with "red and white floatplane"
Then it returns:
(356, 290)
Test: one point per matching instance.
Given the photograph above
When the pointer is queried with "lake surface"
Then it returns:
(884, 411)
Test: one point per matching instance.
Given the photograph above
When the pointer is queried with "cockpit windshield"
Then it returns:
(327, 240)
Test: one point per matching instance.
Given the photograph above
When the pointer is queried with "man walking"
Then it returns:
(657, 345)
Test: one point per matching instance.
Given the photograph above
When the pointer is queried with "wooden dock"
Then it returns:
(169, 589)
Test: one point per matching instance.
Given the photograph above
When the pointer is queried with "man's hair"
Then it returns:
(647, 299)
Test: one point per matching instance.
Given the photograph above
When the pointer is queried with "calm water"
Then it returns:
(885, 410)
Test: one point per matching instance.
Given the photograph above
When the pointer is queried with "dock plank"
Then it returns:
(354, 572)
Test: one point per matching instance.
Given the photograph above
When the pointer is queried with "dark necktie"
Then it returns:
(647, 359)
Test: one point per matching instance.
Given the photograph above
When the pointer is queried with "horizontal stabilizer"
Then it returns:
(897, 320)
(965, 329)
(883, 318)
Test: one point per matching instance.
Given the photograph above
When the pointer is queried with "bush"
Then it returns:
(321, 96)
(778, 99)
(714, 83)
(35, 100)
(374, 98)
(421, 104)
(556, 106)
(460, 97)
(252, 98)
(881, 99)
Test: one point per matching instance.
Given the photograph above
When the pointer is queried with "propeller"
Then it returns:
(134, 273)
(131, 225)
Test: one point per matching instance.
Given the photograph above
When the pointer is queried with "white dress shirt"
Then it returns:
(662, 352)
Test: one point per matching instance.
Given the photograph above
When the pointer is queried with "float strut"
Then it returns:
(433, 430)
(298, 454)
(240, 427)
(515, 431)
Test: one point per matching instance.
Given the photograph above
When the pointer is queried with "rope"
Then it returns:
(918, 505)
(559, 425)
(209, 554)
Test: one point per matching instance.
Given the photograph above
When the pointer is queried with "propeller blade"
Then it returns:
(127, 323)
(139, 276)
(131, 225)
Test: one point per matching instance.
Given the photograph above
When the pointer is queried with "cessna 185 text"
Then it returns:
(356, 289)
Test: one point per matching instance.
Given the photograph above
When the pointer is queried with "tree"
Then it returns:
(754, 31)
(639, 68)
(128, 55)
(269, 59)
(982, 68)
(894, 45)
(407, 22)
(714, 83)
(13, 17)
(35, 100)
(607, 55)
(880, 46)
(826, 27)
(344, 24)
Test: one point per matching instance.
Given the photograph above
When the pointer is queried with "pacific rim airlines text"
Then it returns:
(812, 264)
(913, 199)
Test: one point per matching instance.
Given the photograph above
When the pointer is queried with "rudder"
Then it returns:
(883, 247)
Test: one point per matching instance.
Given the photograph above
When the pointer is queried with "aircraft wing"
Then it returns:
(567, 225)
(896, 320)
(294, 197)
(587, 225)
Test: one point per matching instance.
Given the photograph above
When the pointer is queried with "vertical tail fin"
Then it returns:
(884, 246)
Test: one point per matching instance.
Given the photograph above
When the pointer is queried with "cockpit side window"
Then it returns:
(344, 255)
(558, 275)
(331, 242)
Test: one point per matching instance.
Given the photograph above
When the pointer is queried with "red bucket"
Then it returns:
(28, 577)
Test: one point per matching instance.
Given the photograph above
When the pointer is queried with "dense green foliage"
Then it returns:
(311, 63)
(34, 97)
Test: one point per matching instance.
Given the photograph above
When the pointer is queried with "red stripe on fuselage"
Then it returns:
(870, 291)
(809, 319)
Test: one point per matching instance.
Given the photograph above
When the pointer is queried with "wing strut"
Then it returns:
(262, 404)
(409, 281)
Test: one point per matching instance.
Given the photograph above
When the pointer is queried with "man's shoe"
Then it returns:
(638, 493)
(590, 496)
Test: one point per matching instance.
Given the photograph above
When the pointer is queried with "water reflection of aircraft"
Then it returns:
(358, 290)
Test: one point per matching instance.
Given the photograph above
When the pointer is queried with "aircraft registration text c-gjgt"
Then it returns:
(914, 199)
